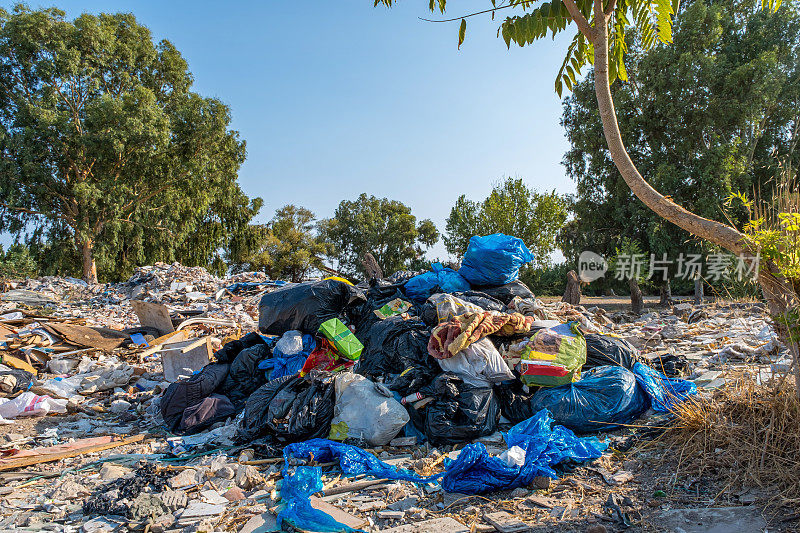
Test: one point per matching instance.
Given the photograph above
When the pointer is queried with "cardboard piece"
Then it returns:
(153, 315)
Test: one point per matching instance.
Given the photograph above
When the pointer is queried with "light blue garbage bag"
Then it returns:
(494, 259)
(419, 288)
(665, 393)
(475, 471)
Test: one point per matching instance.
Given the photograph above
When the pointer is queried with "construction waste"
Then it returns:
(178, 401)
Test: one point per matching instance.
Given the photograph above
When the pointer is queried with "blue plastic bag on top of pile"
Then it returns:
(494, 259)
(440, 279)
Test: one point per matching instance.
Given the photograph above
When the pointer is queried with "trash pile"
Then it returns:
(251, 404)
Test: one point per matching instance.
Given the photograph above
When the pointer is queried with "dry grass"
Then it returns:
(745, 436)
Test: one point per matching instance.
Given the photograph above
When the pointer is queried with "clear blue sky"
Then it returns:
(335, 98)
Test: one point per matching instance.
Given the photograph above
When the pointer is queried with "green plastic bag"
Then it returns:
(342, 338)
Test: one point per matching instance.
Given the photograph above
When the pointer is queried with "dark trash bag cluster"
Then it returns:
(281, 401)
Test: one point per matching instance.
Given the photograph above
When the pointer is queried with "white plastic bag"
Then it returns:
(290, 343)
(30, 404)
(365, 411)
(448, 306)
(479, 364)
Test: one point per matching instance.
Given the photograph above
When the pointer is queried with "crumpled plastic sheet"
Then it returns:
(475, 471)
(295, 492)
(665, 393)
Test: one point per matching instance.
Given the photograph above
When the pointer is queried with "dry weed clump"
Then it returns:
(746, 435)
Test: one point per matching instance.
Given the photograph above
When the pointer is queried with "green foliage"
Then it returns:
(107, 152)
(511, 208)
(713, 113)
(550, 280)
(651, 19)
(285, 248)
(386, 228)
(17, 263)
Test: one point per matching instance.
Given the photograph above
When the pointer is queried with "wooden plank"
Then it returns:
(337, 514)
(153, 315)
(50, 457)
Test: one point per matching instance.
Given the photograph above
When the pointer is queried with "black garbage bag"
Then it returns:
(604, 396)
(245, 376)
(304, 306)
(189, 392)
(506, 293)
(396, 351)
(205, 414)
(231, 349)
(609, 350)
(291, 408)
(515, 400)
(362, 316)
(458, 413)
(14, 380)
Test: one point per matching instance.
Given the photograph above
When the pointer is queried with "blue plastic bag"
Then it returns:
(477, 472)
(352, 459)
(665, 393)
(604, 396)
(295, 492)
(440, 279)
(281, 364)
(494, 259)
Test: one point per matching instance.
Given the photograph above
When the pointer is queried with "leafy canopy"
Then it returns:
(715, 112)
(107, 154)
(285, 248)
(386, 228)
(511, 208)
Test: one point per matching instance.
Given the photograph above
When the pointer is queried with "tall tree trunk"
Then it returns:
(710, 230)
(87, 261)
(776, 292)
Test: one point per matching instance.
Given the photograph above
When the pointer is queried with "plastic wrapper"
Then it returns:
(30, 404)
(605, 396)
(365, 411)
(665, 393)
(475, 471)
(305, 306)
(479, 364)
(494, 259)
(440, 279)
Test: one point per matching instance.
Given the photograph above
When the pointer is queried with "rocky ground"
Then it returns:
(106, 464)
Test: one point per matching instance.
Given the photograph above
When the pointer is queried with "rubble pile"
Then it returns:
(434, 401)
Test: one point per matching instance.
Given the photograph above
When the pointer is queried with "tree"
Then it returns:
(511, 208)
(714, 113)
(17, 262)
(286, 247)
(386, 228)
(601, 40)
(104, 148)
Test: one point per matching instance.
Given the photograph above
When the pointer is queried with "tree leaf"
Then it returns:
(462, 31)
